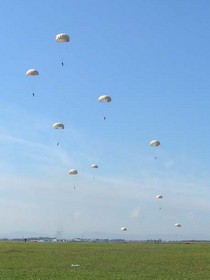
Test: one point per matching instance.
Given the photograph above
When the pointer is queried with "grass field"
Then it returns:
(104, 261)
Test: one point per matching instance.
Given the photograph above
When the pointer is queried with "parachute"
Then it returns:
(62, 38)
(123, 229)
(159, 196)
(178, 225)
(32, 72)
(94, 166)
(73, 172)
(104, 98)
(154, 143)
(58, 125)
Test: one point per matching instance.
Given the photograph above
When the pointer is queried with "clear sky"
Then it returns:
(152, 58)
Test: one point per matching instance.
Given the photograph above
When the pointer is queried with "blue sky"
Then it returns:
(152, 58)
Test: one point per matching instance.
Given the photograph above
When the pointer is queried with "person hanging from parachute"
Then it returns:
(94, 166)
(104, 98)
(58, 125)
(154, 143)
(62, 38)
(159, 196)
(73, 172)
(32, 73)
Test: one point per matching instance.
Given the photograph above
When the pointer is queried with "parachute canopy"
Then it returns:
(104, 98)
(123, 229)
(73, 172)
(32, 72)
(94, 165)
(58, 125)
(154, 143)
(62, 38)
(159, 196)
(178, 225)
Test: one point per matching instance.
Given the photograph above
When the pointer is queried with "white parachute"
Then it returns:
(104, 98)
(159, 196)
(58, 125)
(32, 72)
(154, 143)
(123, 229)
(178, 225)
(73, 172)
(62, 38)
(94, 165)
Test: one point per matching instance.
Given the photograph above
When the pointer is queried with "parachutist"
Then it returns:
(33, 94)
(104, 118)
(62, 63)
(57, 144)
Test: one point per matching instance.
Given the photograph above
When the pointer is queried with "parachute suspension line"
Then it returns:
(60, 56)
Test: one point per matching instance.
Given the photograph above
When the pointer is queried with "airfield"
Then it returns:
(104, 260)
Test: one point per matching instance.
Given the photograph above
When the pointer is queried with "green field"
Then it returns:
(104, 261)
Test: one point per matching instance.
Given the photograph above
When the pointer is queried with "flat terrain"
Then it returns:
(104, 261)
